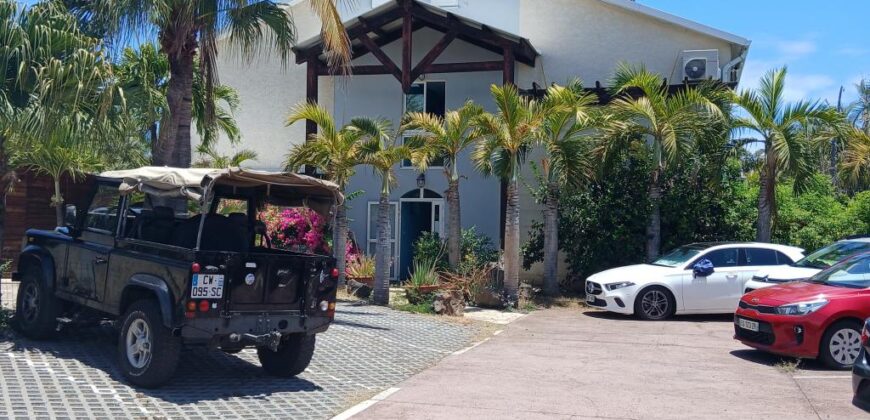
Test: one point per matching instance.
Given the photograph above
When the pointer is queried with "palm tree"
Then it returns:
(383, 153)
(211, 158)
(859, 111)
(337, 153)
(565, 135)
(506, 136)
(189, 29)
(68, 148)
(782, 127)
(446, 139)
(854, 167)
(61, 112)
(143, 73)
(645, 114)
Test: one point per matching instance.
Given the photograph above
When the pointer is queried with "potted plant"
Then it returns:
(361, 269)
(423, 281)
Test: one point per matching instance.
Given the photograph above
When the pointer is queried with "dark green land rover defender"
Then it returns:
(179, 257)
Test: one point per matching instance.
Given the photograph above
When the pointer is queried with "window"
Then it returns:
(759, 256)
(102, 215)
(430, 97)
(783, 259)
(722, 257)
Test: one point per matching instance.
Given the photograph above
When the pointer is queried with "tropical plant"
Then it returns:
(566, 137)
(423, 273)
(296, 229)
(60, 110)
(337, 152)
(188, 29)
(854, 165)
(783, 129)
(858, 112)
(67, 149)
(383, 153)
(361, 267)
(445, 139)
(211, 158)
(143, 74)
(644, 113)
(506, 136)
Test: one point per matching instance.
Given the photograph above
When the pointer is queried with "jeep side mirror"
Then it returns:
(703, 268)
(69, 220)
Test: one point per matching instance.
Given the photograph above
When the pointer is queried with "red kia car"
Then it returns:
(817, 318)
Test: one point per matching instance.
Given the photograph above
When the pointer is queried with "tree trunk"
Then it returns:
(454, 225)
(512, 242)
(654, 227)
(551, 240)
(173, 146)
(766, 197)
(5, 180)
(57, 202)
(340, 241)
(381, 295)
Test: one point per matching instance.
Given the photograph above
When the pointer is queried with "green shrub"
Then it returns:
(477, 250)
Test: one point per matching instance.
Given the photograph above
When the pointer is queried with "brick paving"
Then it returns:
(367, 350)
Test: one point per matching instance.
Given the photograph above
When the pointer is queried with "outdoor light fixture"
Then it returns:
(421, 181)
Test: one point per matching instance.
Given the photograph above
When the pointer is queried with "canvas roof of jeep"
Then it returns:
(192, 182)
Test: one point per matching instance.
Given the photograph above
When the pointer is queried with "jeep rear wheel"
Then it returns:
(36, 307)
(293, 356)
(147, 352)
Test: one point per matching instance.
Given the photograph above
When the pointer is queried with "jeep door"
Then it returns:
(88, 260)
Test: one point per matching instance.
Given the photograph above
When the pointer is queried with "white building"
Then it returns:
(455, 51)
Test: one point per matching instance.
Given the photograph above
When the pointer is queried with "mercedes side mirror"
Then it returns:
(703, 268)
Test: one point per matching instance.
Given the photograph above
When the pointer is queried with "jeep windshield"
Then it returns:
(832, 254)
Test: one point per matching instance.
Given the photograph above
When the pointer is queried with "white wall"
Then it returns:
(268, 89)
(587, 39)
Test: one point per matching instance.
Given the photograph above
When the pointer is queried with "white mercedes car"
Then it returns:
(701, 278)
(810, 265)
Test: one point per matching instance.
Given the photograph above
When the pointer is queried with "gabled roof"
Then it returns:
(635, 7)
(383, 25)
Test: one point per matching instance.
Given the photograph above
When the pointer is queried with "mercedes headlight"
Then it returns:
(620, 285)
(801, 308)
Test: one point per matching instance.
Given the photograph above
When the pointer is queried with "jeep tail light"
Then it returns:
(191, 306)
(865, 336)
(195, 267)
(203, 306)
(330, 310)
(334, 273)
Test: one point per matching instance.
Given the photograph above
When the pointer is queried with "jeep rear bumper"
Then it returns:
(239, 329)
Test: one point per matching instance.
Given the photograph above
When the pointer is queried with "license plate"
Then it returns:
(207, 286)
(590, 298)
(747, 324)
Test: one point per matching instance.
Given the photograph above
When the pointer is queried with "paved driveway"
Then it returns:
(367, 350)
(568, 364)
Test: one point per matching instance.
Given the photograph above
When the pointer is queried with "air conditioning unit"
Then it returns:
(700, 65)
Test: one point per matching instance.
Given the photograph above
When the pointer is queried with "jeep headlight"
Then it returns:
(801, 308)
(620, 285)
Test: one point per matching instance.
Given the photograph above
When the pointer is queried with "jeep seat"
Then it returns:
(158, 225)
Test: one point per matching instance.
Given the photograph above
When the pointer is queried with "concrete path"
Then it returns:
(567, 364)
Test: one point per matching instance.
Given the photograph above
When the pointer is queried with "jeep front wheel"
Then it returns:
(147, 352)
(293, 356)
(36, 307)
